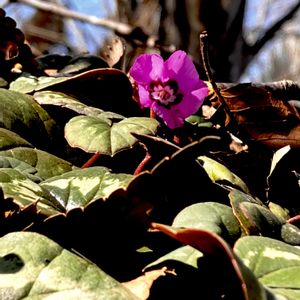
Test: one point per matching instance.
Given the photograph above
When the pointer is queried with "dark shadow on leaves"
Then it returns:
(10, 263)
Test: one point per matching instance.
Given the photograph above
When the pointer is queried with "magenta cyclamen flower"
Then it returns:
(171, 88)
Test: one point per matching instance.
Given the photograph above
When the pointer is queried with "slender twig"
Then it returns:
(80, 43)
(64, 12)
(269, 34)
(91, 161)
(145, 160)
(44, 33)
(123, 29)
(207, 68)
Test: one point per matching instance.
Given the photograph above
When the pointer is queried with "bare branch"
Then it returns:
(272, 31)
(64, 12)
(44, 33)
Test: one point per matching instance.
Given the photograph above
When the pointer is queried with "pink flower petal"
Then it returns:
(171, 117)
(144, 97)
(181, 68)
(174, 116)
(150, 69)
(191, 102)
(147, 67)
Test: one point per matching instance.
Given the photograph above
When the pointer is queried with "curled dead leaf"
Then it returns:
(264, 113)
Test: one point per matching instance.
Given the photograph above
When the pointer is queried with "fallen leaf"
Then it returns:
(262, 114)
(140, 286)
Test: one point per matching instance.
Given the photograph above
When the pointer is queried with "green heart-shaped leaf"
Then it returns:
(34, 267)
(29, 83)
(211, 216)
(25, 192)
(210, 244)
(79, 187)
(97, 135)
(82, 63)
(46, 164)
(9, 139)
(21, 114)
(258, 219)
(237, 198)
(62, 193)
(290, 234)
(63, 100)
(274, 263)
(24, 168)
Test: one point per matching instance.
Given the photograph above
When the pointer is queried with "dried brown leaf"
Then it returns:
(112, 50)
(140, 286)
(266, 118)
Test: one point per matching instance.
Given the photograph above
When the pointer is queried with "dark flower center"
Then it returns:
(165, 93)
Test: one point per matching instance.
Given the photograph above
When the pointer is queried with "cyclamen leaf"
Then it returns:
(61, 193)
(9, 139)
(257, 219)
(107, 88)
(82, 63)
(241, 211)
(29, 83)
(79, 187)
(21, 114)
(290, 234)
(25, 192)
(64, 100)
(212, 216)
(46, 164)
(35, 267)
(274, 263)
(97, 135)
(24, 168)
(241, 283)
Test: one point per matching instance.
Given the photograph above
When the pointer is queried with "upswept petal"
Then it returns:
(144, 97)
(181, 68)
(191, 102)
(147, 67)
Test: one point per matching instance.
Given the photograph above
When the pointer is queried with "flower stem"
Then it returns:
(145, 160)
(152, 114)
(293, 219)
(91, 160)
